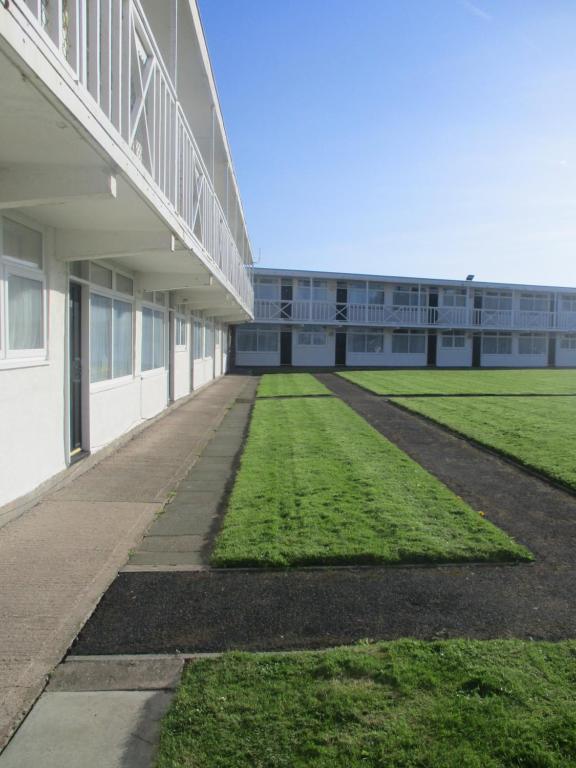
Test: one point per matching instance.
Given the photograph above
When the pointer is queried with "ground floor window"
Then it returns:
(153, 324)
(532, 344)
(110, 338)
(497, 343)
(453, 339)
(408, 342)
(209, 339)
(198, 339)
(312, 337)
(367, 343)
(257, 340)
(568, 342)
(181, 333)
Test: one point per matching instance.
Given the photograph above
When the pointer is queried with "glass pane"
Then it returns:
(20, 242)
(101, 275)
(25, 313)
(400, 342)
(100, 338)
(80, 269)
(147, 339)
(358, 342)
(417, 344)
(124, 284)
(160, 298)
(122, 339)
(148, 296)
(375, 343)
(158, 339)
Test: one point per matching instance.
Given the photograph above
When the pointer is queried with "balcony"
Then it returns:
(396, 316)
(104, 62)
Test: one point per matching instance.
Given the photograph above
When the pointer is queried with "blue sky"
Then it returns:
(403, 137)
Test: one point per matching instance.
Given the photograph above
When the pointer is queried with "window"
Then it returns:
(110, 338)
(319, 290)
(356, 293)
(258, 340)
(124, 284)
(532, 344)
(568, 302)
(152, 339)
(22, 292)
(497, 300)
(181, 332)
(369, 343)
(198, 339)
(408, 296)
(312, 337)
(266, 288)
(454, 297)
(209, 339)
(155, 297)
(535, 302)
(497, 343)
(101, 276)
(568, 342)
(453, 340)
(408, 342)
(376, 293)
(303, 290)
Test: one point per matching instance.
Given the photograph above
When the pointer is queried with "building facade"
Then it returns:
(124, 255)
(329, 319)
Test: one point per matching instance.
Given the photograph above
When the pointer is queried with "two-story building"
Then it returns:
(331, 319)
(124, 255)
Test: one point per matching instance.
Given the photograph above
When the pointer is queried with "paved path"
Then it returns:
(57, 559)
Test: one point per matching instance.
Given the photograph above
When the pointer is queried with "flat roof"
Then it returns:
(408, 280)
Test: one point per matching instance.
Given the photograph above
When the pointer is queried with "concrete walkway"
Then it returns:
(57, 559)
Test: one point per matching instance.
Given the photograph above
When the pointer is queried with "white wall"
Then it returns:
(454, 357)
(267, 359)
(182, 371)
(312, 355)
(114, 409)
(565, 358)
(33, 415)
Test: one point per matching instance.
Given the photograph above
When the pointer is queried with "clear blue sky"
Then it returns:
(403, 137)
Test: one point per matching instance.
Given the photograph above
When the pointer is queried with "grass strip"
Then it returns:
(402, 704)
(318, 485)
(484, 382)
(290, 385)
(538, 433)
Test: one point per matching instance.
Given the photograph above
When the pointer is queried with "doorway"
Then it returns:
(340, 348)
(286, 348)
(552, 351)
(75, 323)
(477, 350)
(432, 349)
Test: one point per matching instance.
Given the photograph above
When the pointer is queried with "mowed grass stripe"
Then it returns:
(318, 485)
(483, 382)
(538, 433)
(449, 704)
(290, 385)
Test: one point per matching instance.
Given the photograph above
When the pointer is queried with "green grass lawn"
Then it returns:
(538, 432)
(318, 485)
(438, 382)
(290, 385)
(404, 704)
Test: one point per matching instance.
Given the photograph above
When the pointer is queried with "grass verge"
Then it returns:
(402, 704)
(538, 433)
(290, 385)
(484, 382)
(318, 485)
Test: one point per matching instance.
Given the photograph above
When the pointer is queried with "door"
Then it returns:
(478, 310)
(552, 351)
(340, 349)
(477, 350)
(342, 306)
(286, 348)
(432, 348)
(432, 309)
(75, 320)
(286, 301)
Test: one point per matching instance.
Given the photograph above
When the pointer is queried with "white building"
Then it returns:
(330, 319)
(124, 257)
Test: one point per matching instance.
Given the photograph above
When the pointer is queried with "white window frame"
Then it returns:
(180, 322)
(14, 358)
(448, 339)
(259, 335)
(95, 386)
(454, 297)
(145, 373)
(499, 337)
(532, 338)
(312, 336)
(198, 338)
(568, 342)
(409, 334)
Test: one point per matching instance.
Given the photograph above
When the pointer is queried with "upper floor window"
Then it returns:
(356, 293)
(454, 297)
(568, 302)
(319, 290)
(303, 289)
(494, 343)
(534, 302)
(266, 288)
(408, 342)
(22, 291)
(497, 300)
(376, 293)
(408, 296)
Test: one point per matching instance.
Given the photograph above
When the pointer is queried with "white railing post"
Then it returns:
(94, 49)
(126, 72)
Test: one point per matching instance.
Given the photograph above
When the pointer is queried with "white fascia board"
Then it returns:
(305, 273)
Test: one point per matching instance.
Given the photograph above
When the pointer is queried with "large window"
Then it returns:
(266, 288)
(209, 339)
(532, 344)
(496, 343)
(303, 290)
(22, 291)
(568, 302)
(370, 342)
(376, 293)
(409, 342)
(153, 324)
(497, 300)
(313, 336)
(568, 342)
(408, 296)
(110, 338)
(454, 297)
(198, 339)
(319, 290)
(453, 339)
(257, 340)
(534, 302)
(356, 293)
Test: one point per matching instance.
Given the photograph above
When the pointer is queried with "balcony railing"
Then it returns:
(110, 49)
(394, 316)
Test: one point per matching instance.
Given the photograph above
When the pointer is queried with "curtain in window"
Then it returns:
(122, 338)
(100, 338)
(25, 319)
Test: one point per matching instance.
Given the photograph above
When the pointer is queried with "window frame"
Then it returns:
(499, 337)
(404, 333)
(452, 336)
(155, 309)
(532, 337)
(113, 296)
(180, 322)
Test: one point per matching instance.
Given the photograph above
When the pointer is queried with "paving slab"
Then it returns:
(116, 729)
(117, 674)
(173, 543)
(173, 557)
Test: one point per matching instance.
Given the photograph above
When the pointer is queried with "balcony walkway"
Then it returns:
(57, 559)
